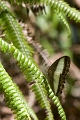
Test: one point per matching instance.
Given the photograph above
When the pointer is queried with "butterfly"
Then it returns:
(57, 73)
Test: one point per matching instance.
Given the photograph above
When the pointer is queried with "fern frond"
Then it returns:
(64, 8)
(30, 111)
(64, 21)
(13, 31)
(39, 91)
(60, 6)
(55, 100)
(33, 74)
(3, 7)
(11, 94)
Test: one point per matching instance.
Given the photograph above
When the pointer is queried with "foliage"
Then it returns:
(16, 44)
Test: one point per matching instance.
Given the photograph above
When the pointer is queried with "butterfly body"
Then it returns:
(57, 73)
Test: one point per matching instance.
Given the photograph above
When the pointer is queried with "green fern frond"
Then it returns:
(12, 95)
(13, 31)
(60, 6)
(33, 74)
(64, 21)
(29, 109)
(39, 91)
(3, 7)
(14, 34)
(55, 100)
(64, 8)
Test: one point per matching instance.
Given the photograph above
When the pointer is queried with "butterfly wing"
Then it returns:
(57, 73)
